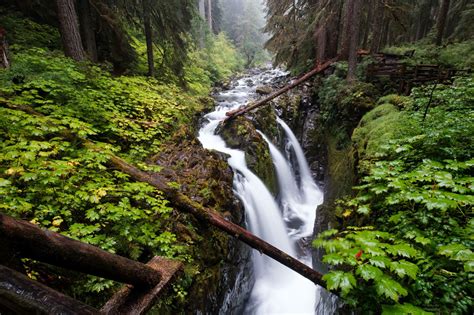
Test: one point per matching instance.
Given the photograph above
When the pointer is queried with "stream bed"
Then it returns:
(285, 220)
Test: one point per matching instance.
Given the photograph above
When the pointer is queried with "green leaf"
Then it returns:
(333, 259)
(404, 268)
(368, 272)
(4, 182)
(344, 281)
(450, 250)
(386, 286)
(403, 250)
(380, 261)
(405, 308)
(469, 266)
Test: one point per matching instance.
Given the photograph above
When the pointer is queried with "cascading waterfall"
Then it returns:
(283, 222)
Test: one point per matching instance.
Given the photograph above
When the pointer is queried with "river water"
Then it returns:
(286, 220)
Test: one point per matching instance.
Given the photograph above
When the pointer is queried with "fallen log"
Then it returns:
(137, 301)
(56, 249)
(21, 295)
(185, 204)
(212, 217)
(242, 110)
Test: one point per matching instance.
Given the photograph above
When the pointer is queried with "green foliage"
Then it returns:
(417, 193)
(23, 32)
(52, 180)
(459, 55)
(343, 102)
(216, 62)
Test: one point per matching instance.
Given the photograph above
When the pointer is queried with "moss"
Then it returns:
(241, 134)
(377, 128)
(400, 101)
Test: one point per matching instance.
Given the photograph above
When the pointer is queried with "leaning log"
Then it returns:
(21, 295)
(212, 217)
(56, 249)
(182, 202)
(242, 110)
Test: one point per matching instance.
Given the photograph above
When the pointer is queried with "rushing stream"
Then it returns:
(285, 221)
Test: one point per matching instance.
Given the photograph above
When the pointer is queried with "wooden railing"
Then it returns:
(19, 294)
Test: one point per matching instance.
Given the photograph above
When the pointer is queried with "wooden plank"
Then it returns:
(136, 301)
(21, 295)
(58, 250)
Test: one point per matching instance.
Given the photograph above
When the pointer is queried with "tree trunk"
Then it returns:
(209, 14)
(148, 37)
(377, 26)
(321, 44)
(354, 41)
(4, 59)
(69, 29)
(202, 14)
(334, 29)
(347, 30)
(368, 21)
(88, 29)
(441, 24)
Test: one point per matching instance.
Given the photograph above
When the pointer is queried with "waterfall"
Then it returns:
(284, 222)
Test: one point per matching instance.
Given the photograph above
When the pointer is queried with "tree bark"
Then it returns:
(69, 29)
(334, 29)
(21, 295)
(88, 30)
(321, 44)
(209, 14)
(202, 14)
(377, 27)
(148, 37)
(58, 250)
(354, 41)
(4, 59)
(441, 24)
(136, 301)
(347, 30)
(316, 70)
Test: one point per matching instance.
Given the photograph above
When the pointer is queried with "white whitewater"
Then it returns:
(283, 222)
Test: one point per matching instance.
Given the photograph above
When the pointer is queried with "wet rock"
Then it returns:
(221, 263)
(264, 89)
(241, 134)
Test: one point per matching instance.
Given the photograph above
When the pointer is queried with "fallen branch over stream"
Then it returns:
(184, 203)
(242, 110)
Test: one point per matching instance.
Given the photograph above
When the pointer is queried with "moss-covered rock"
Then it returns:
(376, 129)
(217, 259)
(240, 133)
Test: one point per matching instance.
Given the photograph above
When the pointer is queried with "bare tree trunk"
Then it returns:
(87, 28)
(334, 29)
(4, 60)
(148, 37)
(368, 21)
(354, 41)
(202, 14)
(209, 14)
(69, 29)
(377, 27)
(347, 30)
(441, 24)
(321, 44)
